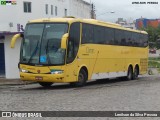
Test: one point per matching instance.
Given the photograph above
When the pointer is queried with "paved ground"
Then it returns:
(113, 95)
(4, 82)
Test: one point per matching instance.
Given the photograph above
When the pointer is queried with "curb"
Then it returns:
(14, 82)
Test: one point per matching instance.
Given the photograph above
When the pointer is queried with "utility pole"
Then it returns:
(93, 14)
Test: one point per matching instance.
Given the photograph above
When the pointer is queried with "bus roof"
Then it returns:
(90, 21)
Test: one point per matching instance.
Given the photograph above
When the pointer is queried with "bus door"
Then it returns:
(72, 50)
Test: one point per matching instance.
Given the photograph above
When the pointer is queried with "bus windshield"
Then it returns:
(42, 44)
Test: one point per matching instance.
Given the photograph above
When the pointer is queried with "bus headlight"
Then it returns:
(57, 72)
(24, 71)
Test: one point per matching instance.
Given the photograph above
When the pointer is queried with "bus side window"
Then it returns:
(87, 33)
(118, 37)
(84, 34)
(73, 42)
(99, 35)
(133, 40)
(128, 36)
(145, 40)
(109, 36)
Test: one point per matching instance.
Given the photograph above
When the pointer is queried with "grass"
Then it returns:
(154, 64)
(155, 59)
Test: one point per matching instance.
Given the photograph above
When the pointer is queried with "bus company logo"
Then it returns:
(6, 114)
(7, 2)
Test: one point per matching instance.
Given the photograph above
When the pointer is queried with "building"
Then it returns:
(121, 21)
(79, 8)
(144, 23)
(16, 13)
(130, 23)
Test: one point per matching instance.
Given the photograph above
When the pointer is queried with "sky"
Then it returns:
(126, 9)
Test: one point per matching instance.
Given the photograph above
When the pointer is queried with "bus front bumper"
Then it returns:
(57, 78)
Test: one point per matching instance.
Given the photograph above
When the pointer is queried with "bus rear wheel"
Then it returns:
(136, 73)
(130, 74)
(82, 78)
(45, 84)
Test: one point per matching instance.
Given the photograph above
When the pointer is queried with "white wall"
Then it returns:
(11, 58)
(8, 14)
(15, 13)
(79, 8)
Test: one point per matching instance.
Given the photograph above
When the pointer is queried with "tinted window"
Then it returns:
(73, 42)
(141, 40)
(87, 33)
(136, 41)
(99, 35)
(104, 35)
(128, 38)
(145, 40)
(119, 37)
(109, 36)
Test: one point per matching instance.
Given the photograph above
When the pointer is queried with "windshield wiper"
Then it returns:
(34, 52)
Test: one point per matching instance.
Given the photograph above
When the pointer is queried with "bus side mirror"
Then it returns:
(14, 39)
(64, 41)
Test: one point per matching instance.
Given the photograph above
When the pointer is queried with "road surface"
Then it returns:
(101, 95)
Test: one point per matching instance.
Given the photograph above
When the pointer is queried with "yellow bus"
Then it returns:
(72, 50)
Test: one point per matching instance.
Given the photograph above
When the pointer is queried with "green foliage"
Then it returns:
(155, 59)
(154, 64)
(154, 35)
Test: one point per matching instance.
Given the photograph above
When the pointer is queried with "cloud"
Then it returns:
(125, 9)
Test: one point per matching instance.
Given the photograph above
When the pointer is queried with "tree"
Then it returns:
(154, 35)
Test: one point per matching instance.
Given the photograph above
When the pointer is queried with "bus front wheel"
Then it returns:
(82, 78)
(45, 84)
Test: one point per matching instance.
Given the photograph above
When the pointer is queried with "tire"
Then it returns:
(136, 73)
(45, 84)
(130, 74)
(82, 78)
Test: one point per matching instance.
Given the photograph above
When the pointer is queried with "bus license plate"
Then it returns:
(38, 78)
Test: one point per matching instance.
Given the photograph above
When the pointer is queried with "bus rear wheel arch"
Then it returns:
(82, 78)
